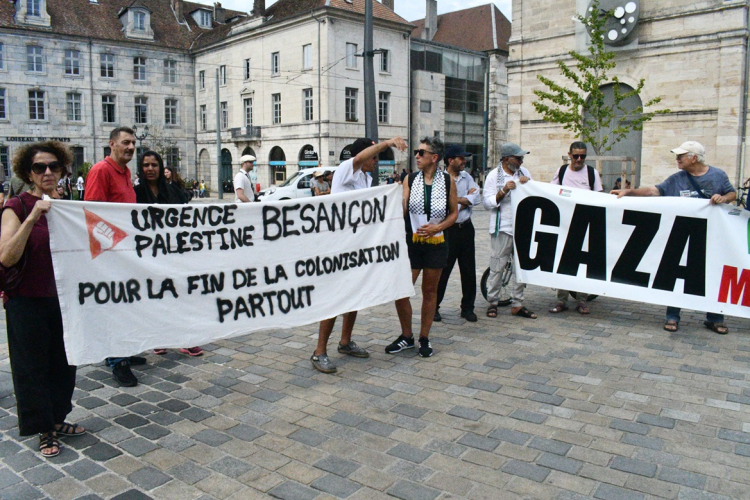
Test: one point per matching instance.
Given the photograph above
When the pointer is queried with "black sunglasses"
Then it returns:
(578, 157)
(422, 152)
(41, 168)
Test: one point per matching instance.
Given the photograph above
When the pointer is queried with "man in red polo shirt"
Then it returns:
(109, 180)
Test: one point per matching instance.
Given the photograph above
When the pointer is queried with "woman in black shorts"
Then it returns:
(430, 207)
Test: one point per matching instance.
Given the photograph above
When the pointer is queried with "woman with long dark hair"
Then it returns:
(42, 378)
(153, 188)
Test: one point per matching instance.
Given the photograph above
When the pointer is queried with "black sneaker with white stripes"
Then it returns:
(400, 344)
(425, 348)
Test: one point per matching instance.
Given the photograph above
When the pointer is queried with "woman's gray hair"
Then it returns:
(436, 145)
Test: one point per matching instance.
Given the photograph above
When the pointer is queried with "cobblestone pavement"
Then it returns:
(566, 407)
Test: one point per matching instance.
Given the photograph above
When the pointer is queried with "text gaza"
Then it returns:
(687, 233)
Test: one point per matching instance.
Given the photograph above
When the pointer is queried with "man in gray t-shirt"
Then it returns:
(694, 180)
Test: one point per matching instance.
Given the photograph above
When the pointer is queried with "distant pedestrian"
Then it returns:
(319, 186)
(244, 188)
(460, 236)
(580, 176)
(80, 185)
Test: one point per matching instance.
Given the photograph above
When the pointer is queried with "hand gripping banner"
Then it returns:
(134, 277)
(673, 251)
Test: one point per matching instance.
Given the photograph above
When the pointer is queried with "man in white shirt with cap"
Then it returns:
(244, 191)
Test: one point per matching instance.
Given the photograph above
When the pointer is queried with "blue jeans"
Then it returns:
(673, 314)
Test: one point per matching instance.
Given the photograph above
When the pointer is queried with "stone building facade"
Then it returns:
(291, 87)
(76, 69)
(459, 81)
(691, 54)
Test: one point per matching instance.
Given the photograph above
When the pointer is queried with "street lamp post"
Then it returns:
(142, 136)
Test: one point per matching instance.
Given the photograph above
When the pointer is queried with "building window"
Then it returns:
(73, 106)
(34, 59)
(384, 107)
(107, 65)
(36, 105)
(425, 106)
(204, 19)
(351, 105)
(351, 55)
(2, 56)
(72, 62)
(202, 80)
(108, 109)
(170, 71)
(139, 69)
(107, 151)
(224, 116)
(275, 64)
(139, 20)
(307, 56)
(5, 160)
(34, 8)
(3, 113)
(385, 61)
(203, 117)
(276, 100)
(248, 103)
(173, 158)
(222, 75)
(307, 101)
(141, 110)
(170, 112)
(77, 157)
(247, 69)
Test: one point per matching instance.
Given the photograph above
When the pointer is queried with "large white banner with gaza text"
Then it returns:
(681, 252)
(137, 277)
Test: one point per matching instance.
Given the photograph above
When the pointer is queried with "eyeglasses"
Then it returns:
(422, 152)
(578, 157)
(517, 158)
(681, 156)
(41, 168)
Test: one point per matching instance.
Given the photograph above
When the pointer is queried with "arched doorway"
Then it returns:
(277, 161)
(629, 146)
(249, 151)
(225, 169)
(308, 157)
(204, 166)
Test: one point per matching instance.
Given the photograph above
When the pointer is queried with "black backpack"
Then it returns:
(592, 176)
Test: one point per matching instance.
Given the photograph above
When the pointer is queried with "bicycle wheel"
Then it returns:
(507, 276)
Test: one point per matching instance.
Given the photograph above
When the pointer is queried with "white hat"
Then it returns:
(692, 147)
(318, 173)
(245, 158)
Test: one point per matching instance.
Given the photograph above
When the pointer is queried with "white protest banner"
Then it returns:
(137, 277)
(681, 252)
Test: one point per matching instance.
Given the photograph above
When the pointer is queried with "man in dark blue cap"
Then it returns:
(460, 236)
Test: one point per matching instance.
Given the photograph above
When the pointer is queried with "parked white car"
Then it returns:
(296, 186)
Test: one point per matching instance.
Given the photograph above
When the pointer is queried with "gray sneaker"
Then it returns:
(323, 363)
(353, 349)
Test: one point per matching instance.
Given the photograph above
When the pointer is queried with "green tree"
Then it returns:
(581, 107)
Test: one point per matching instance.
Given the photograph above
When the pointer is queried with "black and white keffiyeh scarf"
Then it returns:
(438, 206)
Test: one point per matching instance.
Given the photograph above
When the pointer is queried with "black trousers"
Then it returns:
(42, 379)
(460, 239)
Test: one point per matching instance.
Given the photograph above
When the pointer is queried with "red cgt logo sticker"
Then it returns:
(103, 235)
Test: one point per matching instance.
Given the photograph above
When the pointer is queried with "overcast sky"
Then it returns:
(410, 10)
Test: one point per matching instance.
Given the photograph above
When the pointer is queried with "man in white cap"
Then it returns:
(496, 198)
(695, 179)
(244, 190)
(319, 186)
